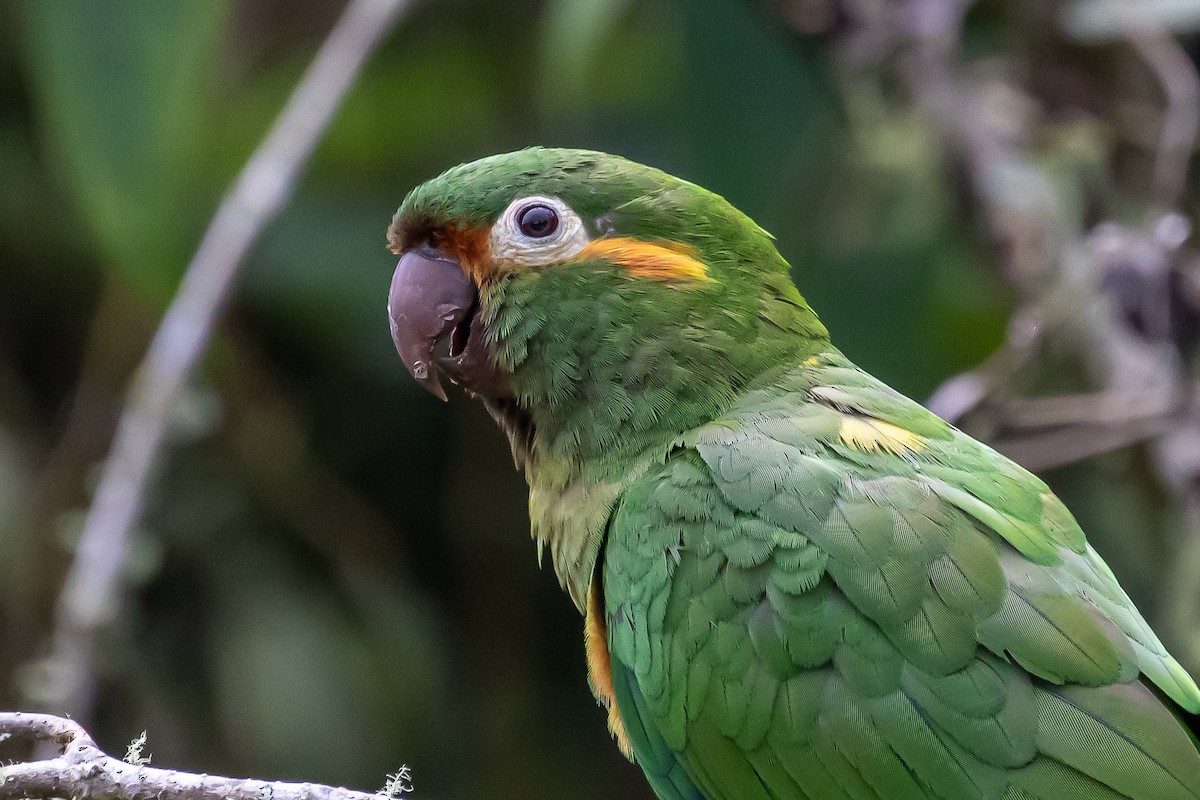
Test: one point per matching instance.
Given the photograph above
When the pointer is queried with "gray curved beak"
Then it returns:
(430, 296)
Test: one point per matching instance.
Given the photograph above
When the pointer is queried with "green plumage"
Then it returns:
(813, 588)
(865, 625)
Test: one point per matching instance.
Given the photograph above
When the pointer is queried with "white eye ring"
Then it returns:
(507, 245)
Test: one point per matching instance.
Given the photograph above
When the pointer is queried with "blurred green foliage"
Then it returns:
(334, 575)
(125, 96)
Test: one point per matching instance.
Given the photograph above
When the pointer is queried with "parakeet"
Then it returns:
(796, 582)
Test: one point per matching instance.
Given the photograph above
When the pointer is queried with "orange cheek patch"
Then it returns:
(660, 262)
(470, 247)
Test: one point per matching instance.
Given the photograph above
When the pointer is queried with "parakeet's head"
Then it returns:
(591, 301)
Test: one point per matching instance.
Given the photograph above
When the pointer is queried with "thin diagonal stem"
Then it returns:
(91, 594)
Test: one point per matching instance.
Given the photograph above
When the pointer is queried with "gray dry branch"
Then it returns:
(1098, 292)
(1129, 291)
(82, 771)
(1073, 285)
(91, 594)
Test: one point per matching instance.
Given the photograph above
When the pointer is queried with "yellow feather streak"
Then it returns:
(599, 662)
(876, 436)
(661, 261)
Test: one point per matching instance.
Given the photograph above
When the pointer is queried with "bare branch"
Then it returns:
(960, 394)
(1113, 407)
(1062, 280)
(82, 771)
(1176, 73)
(1039, 452)
(92, 592)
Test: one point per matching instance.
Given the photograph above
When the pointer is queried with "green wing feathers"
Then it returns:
(831, 594)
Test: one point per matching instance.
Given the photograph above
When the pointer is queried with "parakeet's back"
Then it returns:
(829, 593)
(797, 584)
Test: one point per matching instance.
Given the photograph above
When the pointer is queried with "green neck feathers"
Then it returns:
(682, 304)
(609, 371)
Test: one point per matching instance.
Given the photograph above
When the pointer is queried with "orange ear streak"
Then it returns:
(667, 261)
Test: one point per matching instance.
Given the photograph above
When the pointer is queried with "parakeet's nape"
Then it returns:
(796, 582)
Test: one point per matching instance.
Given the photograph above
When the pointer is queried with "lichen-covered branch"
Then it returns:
(83, 771)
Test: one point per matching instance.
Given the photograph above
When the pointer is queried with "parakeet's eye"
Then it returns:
(537, 220)
(535, 231)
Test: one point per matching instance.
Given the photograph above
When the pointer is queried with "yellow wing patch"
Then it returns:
(659, 261)
(599, 663)
(876, 436)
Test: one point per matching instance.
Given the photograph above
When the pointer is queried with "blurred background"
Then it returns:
(333, 575)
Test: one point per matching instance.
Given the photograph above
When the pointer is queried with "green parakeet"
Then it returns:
(796, 582)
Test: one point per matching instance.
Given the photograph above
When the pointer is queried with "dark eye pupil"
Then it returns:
(537, 221)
